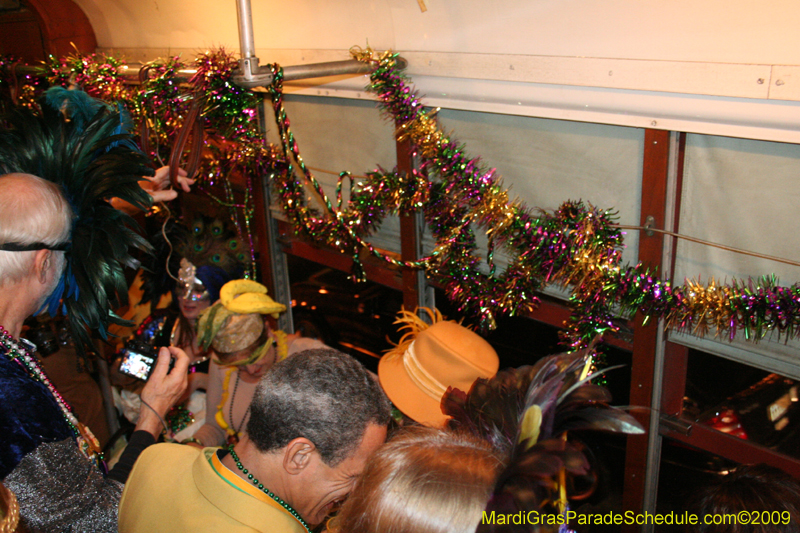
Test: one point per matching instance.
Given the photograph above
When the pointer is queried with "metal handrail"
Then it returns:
(252, 75)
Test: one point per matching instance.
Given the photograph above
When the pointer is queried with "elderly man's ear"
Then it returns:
(297, 455)
(43, 262)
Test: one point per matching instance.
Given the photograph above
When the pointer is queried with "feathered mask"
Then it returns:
(80, 144)
(525, 414)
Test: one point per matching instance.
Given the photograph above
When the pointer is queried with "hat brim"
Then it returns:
(407, 396)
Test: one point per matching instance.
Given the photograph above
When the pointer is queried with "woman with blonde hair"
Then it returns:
(423, 480)
(505, 453)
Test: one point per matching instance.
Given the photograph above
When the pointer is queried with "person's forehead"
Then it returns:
(230, 359)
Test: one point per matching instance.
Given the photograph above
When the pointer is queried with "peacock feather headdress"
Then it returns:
(82, 145)
(211, 241)
(209, 244)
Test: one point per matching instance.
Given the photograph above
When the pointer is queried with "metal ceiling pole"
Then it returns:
(250, 74)
(290, 73)
(246, 39)
(332, 68)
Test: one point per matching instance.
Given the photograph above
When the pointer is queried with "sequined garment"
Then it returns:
(58, 488)
(29, 415)
(155, 329)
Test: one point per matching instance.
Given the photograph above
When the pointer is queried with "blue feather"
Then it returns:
(81, 108)
(78, 106)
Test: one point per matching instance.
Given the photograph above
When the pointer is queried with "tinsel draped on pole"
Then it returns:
(577, 246)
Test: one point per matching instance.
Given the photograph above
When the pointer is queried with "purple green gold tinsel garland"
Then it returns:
(158, 107)
(544, 247)
(577, 246)
(369, 202)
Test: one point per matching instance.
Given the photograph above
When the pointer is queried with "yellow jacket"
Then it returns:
(175, 488)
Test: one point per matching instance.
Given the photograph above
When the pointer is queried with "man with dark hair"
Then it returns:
(316, 417)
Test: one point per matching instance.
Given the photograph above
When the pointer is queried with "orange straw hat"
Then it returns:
(429, 359)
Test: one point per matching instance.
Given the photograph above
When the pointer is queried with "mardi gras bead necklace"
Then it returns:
(266, 491)
(220, 417)
(232, 430)
(87, 442)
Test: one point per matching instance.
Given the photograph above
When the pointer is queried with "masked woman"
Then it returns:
(243, 346)
(192, 262)
(196, 289)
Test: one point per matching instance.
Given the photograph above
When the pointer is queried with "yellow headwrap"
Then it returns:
(234, 322)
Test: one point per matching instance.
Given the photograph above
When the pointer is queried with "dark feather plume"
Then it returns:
(525, 413)
(92, 162)
(167, 236)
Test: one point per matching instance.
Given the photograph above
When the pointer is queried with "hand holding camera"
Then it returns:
(165, 385)
(139, 360)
